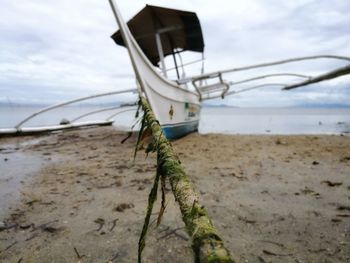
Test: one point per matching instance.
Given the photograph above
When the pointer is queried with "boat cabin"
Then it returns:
(162, 32)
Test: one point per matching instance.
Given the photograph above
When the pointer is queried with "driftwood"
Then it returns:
(206, 243)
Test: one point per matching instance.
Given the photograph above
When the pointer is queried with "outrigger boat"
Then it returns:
(156, 32)
(159, 32)
(150, 36)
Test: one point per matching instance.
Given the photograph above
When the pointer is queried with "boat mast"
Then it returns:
(176, 67)
(161, 54)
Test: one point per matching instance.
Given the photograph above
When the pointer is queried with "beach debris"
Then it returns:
(246, 220)
(114, 223)
(318, 250)
(280, 142)
(33, 201)
(50, 229)
(141, 181)
(117, 184)
(113, 258)
(315, 163)
(46, 227)
(336, 220)
(123, 206)
(141, 187)
(64, 121)
(11, 245)
(9, 150)
(127, 137)
(239, 177)
(119, 166)
(315, 213)
(343, 207)
(16, 215)
(32, 237)
(345, 159)
(261, 259)
(5, 226)
(78, 254)
(308, 191)
(343, 215)
(6, 159)
(268, 252)
(273, 242)
(25, 227)
(170, 232)
(331, 184)
(2, 225)
(82, 174)
(101, 222)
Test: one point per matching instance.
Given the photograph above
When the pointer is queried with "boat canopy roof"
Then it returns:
(177, 29)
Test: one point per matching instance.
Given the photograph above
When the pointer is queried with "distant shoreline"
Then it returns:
(311, 106)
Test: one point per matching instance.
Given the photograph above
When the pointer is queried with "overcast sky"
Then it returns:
(54, 50)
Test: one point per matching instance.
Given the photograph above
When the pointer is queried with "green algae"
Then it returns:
(206, 243)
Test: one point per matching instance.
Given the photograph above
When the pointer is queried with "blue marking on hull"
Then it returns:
(176, 131)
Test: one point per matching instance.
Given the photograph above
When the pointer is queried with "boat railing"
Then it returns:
(221, 85)
(18, 128)
(99, 111)
(186, 64)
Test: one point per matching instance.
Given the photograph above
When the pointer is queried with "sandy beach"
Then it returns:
(272, 198)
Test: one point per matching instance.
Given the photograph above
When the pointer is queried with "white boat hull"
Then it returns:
(176, 108)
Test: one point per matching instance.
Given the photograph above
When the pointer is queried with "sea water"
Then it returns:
(227, 120)
(275, 120)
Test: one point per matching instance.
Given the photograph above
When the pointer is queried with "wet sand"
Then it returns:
(272, 198)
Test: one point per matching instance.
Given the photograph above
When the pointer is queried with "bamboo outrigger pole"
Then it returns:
(326, 76)
(208, 247)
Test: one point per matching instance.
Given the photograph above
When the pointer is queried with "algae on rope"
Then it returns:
(206, 243)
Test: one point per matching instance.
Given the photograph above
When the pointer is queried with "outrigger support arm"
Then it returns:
(71, 102)
(231, 83)
(212, 90)
(119, 112)
(327, 76)
(234, 92)
(225, 86)
(268, 64)
(310, 80)
(102, 110)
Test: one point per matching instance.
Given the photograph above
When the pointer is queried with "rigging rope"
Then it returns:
(206, 243)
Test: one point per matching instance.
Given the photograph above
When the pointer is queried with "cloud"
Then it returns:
(54, 50)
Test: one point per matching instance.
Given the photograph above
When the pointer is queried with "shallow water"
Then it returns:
(275, 121)
(16, 168)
